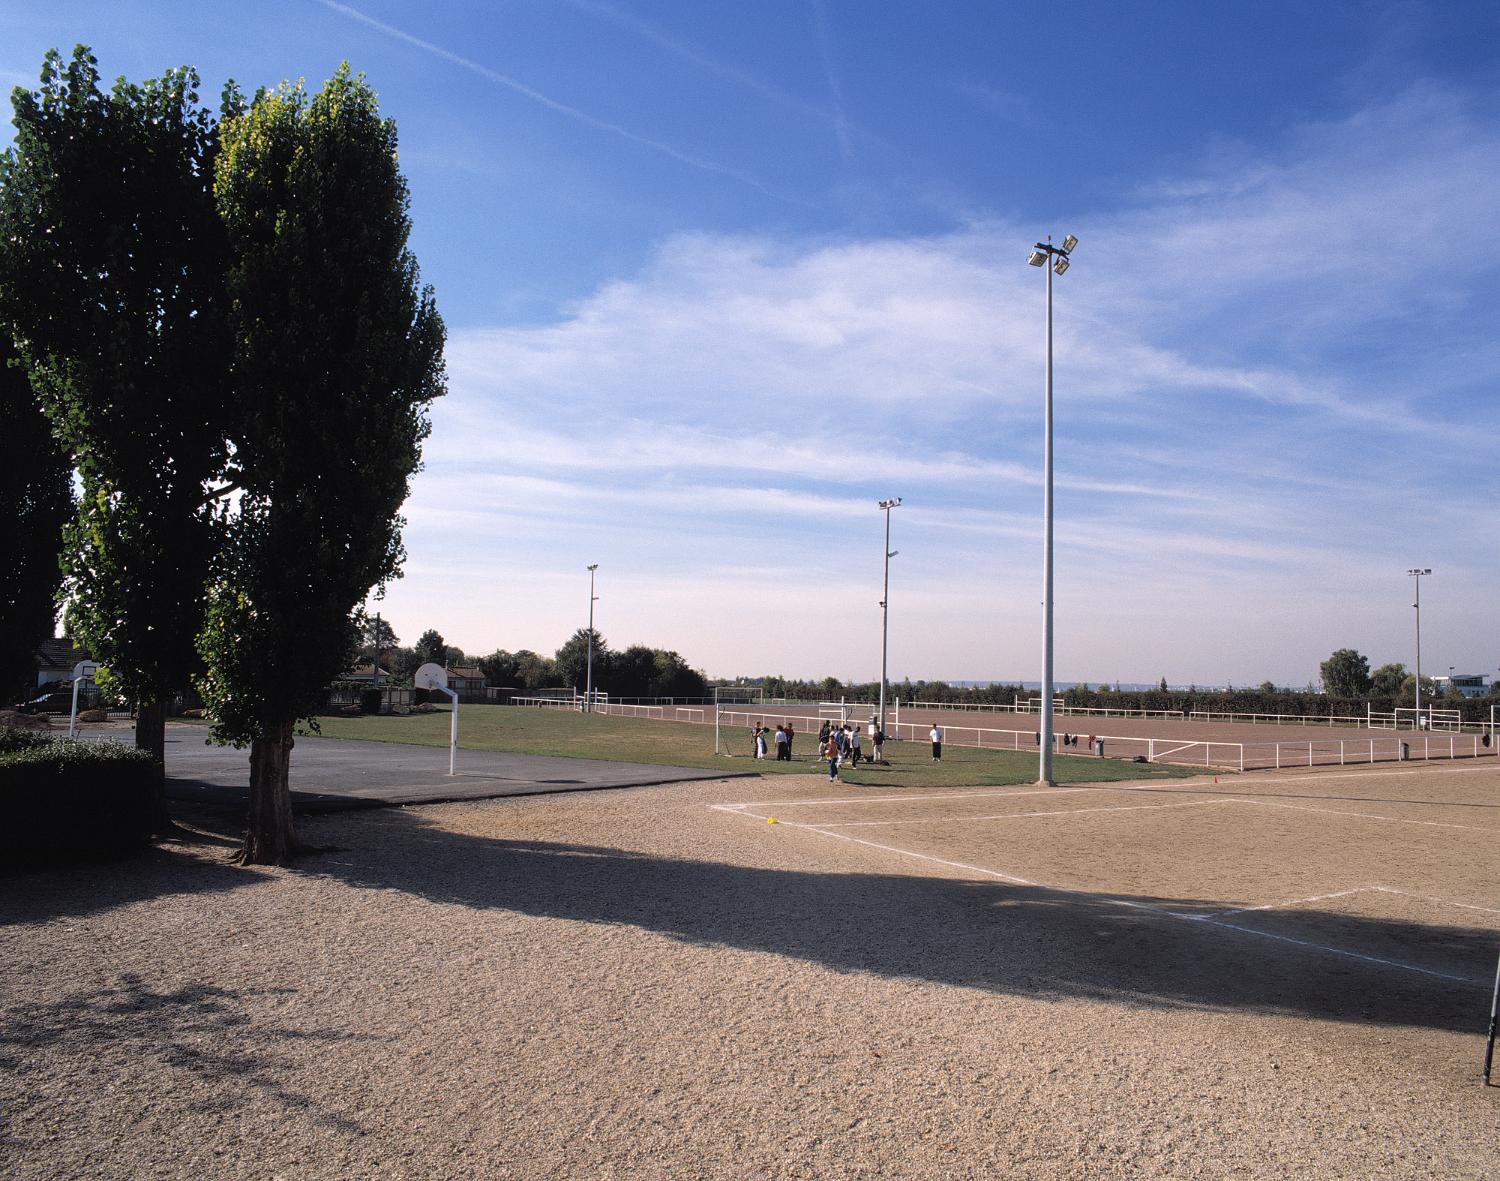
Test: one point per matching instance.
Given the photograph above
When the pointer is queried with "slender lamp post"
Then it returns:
(1057, 256)
(588, 685)
(1417, 574)
(885, 599)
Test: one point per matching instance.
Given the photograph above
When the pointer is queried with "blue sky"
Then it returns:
(720, 277)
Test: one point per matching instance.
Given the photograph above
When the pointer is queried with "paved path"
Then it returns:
(331, 774)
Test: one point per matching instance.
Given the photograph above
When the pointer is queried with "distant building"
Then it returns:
(55, 660)
(468, 682)
(1469, 684)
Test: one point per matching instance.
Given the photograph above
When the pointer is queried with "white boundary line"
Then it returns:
(1129, 904)
(950, 795)
(1218, 914)
(1438, 901)
(1011, 815)
(1371, 816)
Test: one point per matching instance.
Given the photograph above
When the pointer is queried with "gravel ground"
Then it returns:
(627, 984)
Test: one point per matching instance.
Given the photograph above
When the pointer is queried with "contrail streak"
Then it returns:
(835, 89)
(550, 103)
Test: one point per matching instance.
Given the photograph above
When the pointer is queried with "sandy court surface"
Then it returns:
(1270, 976)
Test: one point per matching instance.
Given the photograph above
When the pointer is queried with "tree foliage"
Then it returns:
(1345, 674)
(36, 497)
(337, 351)
(1386, 681)
(431, 648)
(111, 260)
(570, 665)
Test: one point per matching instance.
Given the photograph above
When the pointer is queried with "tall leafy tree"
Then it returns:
(499, 668)
(111, 259)
(431, 647)
(570, 665)
(1345, 674)
(1386, 681)
(534, 671)
(337, 351)
(36, 497)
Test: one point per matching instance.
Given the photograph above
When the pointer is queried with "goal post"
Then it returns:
(1427, 718)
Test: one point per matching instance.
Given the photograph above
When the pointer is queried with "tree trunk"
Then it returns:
(269, 836)
(151, 737)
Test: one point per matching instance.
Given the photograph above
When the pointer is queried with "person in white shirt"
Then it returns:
(937, 743)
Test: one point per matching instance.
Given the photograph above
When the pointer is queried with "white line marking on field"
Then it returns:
(952, 795)
(1131, 904)
(823, 824)
(1438, 901)
(1368, 816)
(1353, 955)
(992, 873)
(1357, 771)
(1218, 914)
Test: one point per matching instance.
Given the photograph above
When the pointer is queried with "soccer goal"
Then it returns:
(837, 711)
(1428, 718)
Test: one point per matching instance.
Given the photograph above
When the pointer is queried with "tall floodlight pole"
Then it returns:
(885, 600)
(1417, 574)
(588, 684)
(1057, 256)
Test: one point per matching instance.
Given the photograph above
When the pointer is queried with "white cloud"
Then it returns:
(1251, 430)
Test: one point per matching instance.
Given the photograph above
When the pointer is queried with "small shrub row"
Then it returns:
(62, 797)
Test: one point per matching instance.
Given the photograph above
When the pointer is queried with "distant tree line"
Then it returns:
(636, 671)
(1348, 688)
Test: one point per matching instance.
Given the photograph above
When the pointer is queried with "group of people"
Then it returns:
(836, 743)
(783, 740)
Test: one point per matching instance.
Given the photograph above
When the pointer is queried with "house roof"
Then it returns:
(468, 672)
(59, 653)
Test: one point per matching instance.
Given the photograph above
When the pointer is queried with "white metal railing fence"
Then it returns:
(1206, 715)
(978, 707)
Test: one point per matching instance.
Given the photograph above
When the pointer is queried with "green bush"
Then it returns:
(63, 797)
(369, 701)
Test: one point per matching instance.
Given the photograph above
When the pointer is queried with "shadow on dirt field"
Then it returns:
(1003, 938)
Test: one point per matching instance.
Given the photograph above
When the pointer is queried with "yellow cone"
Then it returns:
(770, 820)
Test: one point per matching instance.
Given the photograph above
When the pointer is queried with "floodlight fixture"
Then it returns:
(1419, 574)
(886, 506)
(588, 684)
(1040, 256)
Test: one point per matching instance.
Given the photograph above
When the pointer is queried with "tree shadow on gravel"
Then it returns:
(83, 887)
(1003, 938)
(201, 1030)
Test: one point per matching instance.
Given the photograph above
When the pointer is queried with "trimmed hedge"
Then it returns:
(62, 797)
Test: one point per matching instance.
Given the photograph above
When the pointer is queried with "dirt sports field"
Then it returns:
(1272, 976)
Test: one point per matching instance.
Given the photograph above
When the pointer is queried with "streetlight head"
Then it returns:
(893, 553)
(595, 566)
(1038, 258)
(1061, 264)
(888, 504)
(1419, 572)
(1069, 242)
